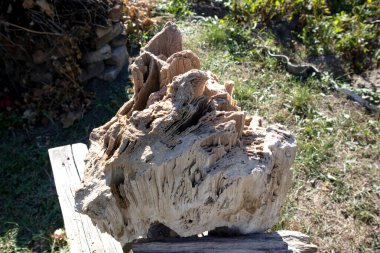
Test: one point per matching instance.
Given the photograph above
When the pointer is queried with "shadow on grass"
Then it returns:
(29, 207)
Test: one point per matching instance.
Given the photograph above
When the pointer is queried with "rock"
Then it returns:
(117, 29)
(103, 31)
(181, 155)
(99, 55)
(116, 62)
(92, 70)
(370, 79)
(119, 57)
(115, 13)
(110, 73)
(120, 40)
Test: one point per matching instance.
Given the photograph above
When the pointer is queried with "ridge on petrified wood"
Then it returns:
(180, 154)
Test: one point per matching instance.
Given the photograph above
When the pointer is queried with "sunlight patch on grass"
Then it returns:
(8, 242)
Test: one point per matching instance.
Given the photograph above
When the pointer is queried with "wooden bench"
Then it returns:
(83, 237)
(67, 163)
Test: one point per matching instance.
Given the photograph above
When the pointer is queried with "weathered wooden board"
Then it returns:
(68, 168)
(279, 242)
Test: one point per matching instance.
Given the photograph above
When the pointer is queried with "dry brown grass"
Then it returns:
(342, 211)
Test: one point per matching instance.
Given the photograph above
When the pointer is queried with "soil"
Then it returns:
(370, 79)
(329, 63)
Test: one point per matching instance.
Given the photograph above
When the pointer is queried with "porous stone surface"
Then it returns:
(182, 155)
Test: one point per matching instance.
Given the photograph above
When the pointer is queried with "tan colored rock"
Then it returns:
(181, 155)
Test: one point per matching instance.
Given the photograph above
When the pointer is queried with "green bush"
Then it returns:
(348, 28)
(179, 8)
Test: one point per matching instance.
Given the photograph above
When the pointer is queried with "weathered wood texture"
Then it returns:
(182, 155)
(68, 168)
(279, 242)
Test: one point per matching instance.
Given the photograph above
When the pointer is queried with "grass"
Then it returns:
(29, 208)
(27, 189)
(335, 197)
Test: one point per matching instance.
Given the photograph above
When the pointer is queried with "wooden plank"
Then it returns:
(80, 151)
(83, 237)
(279, 242)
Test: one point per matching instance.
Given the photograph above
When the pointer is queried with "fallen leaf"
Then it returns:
(133, 12)
(28, 4)
(147, 22)
(46, 7)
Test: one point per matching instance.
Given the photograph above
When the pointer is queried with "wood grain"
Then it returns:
(279, 242)
(83, 237)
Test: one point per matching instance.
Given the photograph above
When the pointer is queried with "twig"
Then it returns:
(13, 44)
(38, 18)
(29, 30)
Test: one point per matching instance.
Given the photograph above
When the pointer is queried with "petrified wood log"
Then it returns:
(181, 155)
